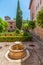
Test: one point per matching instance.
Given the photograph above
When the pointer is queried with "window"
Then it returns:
(32, 16)
(40, 1)
(38, 5)
(10, 26)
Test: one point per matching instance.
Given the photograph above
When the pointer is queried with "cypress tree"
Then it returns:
(19, 17)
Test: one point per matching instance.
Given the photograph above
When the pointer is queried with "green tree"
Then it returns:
(25, 27)
(39, 18)
(25, 24)
(31, 24)
(3, 25)
(19, 17)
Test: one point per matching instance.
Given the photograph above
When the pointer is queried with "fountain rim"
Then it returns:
(17, 50)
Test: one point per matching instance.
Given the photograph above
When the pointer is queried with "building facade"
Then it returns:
(11, 24)
(35, 6)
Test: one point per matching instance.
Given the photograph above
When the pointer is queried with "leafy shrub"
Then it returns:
(17, 31)
(31, 24)
(39, 18)
(15, 38)
(11, 34)
(26, 33)
(3, 25)
(21, 32)
(25, 26)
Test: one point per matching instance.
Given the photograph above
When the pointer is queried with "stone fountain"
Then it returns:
(17, 53)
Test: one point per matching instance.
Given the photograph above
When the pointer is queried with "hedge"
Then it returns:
(15, 38)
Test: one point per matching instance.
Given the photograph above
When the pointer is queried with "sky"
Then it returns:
(9, 8)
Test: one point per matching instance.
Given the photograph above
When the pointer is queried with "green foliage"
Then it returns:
(25, 26)
(19, 17)
(15, 38)
(26, 33)
(24, 21)
(3, 25)
(39, 18)
(17, 31)
(31, 24)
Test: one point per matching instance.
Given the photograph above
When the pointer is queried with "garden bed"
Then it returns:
(17, 35)
(15, 38)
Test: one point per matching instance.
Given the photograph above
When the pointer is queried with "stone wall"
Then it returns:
(39, 32)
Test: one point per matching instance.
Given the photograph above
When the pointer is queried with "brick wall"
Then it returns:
(32, 10)
(39, 31)
(35, 6)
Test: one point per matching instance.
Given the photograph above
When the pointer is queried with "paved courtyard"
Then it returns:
(36, 54)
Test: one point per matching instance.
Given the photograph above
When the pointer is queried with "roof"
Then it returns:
(10, 20)
(7, 17)
(30, 3)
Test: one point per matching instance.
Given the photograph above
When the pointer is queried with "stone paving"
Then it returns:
(36, 54)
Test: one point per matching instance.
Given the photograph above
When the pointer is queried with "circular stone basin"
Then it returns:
(17, 51)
